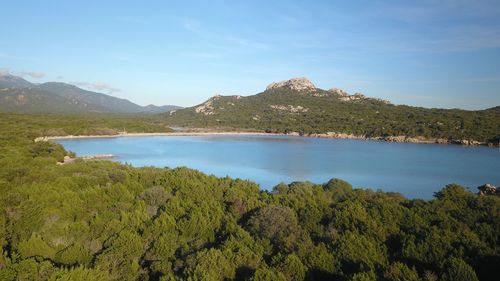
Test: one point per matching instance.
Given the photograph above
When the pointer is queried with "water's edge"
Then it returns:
(332, 135)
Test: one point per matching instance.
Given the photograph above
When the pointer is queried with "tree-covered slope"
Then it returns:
(283, 109)
(31, 126)
(19, 95)
(106, 221)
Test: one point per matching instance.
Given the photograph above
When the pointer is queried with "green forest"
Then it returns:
(101, 220)
(283, 110)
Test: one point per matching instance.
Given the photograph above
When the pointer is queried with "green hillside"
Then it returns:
(19, 95)
(283, 109)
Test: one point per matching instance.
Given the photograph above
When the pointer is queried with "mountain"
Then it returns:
(160, 109)
(296, 105)
(19, 95)
(11, 81)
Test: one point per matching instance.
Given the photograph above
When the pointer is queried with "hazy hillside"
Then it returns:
(298, 106)
(11, 81)
(160, 109)
(19, 95)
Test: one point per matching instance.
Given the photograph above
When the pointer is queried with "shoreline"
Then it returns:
(166, 134)
(330, 135)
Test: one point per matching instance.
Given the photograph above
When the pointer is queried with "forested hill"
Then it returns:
(19, 95)
(297, 105)
(107, 221)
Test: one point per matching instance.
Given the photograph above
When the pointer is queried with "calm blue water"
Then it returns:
(415, 170)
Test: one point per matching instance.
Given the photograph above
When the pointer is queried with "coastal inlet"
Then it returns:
(415, 170)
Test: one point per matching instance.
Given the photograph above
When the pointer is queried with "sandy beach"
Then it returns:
(157, 134)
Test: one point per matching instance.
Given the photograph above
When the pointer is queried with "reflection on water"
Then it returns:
(416, 170)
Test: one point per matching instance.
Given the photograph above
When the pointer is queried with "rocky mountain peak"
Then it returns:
(296, 84)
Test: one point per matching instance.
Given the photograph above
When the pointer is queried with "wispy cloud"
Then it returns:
(247, 43)
(482, 79)
(201, 55)
(430, 26)
(220, 39)
(436, 11)
(96, 86)
(192, 25)
(470, 37)
(32, 74)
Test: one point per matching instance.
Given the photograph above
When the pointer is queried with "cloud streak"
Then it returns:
(192, 25)
(24, 74)
(32, 74)
(248, 43)
(96, 86)
(220, 39)
(200, 55)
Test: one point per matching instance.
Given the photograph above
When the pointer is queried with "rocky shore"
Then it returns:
(401, 139)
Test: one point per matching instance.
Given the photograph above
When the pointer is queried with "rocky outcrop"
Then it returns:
(356, 96)
(289, 108)
(338, 92)
(296, 84)
(414, 139)
(488, 189)
(466, 142)
(382, 100)
(216, 103)
(207, 108)
(305, 85)
(344, 96)
(334, 135)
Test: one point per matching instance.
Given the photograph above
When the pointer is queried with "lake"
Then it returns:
(415, 170)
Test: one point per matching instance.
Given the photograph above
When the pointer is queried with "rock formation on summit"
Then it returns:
(296, 84)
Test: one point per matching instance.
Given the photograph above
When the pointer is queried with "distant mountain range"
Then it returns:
(19, 95)
(298, 106)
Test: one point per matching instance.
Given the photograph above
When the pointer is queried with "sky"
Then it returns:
(427, 53)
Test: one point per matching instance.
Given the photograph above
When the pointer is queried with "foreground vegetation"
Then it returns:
(284, 110)
(106, 221)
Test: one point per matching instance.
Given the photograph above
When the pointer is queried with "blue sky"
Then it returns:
(428, 53)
